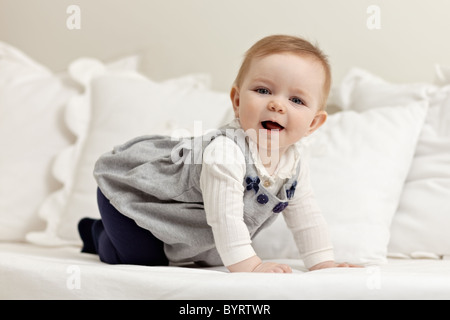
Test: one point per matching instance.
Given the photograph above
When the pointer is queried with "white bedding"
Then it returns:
(33, 272)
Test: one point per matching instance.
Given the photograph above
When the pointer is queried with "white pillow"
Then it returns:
(32, 132)
(75, 120)
(125, 105)
(419, 228)
(360, 90)
(358, 162)
(421, 225)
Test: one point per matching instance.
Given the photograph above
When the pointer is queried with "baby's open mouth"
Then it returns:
(270, 125)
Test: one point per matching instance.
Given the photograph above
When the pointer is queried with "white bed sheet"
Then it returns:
(32, 272)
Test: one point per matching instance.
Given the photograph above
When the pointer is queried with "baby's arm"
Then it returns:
(221, 179)
(309, 228)
(304, 218)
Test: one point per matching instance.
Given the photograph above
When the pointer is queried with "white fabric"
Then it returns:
(359, 162)
(41, 273)
(420, 225)
(32, 103)
(121, 105)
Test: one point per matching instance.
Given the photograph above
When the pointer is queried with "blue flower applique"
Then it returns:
(253, 183)
(280, 207)
(290, 192)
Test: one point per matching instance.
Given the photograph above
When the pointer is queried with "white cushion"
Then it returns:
(360, 90)
(32, 133)
(420, 225)
(122, 106)
(359, 162)
(73, 120)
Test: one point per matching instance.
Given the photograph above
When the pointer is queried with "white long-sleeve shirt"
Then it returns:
(223, 171)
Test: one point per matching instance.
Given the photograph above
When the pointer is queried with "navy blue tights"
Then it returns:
(117, 239)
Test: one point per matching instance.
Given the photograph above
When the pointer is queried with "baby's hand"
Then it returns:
(273, 267)
(332, 264)
(254, 264)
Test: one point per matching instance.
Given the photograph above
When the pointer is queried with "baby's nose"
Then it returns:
(276, 106)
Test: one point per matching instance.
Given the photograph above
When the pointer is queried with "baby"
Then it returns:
(203, 199)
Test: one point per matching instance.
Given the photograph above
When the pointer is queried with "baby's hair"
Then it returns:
(285, 44)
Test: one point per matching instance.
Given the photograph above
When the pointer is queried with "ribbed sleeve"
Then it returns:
(221, 179)
(304, 218)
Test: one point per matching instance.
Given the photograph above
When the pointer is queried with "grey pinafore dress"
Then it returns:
(154, 180)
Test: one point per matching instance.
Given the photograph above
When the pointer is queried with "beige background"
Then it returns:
(176, 37)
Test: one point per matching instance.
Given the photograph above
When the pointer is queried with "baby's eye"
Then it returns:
(296, 100)
(262, 91)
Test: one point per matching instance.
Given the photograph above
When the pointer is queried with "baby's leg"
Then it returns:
(119, 240)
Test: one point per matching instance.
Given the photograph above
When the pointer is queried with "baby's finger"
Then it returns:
(355, 265)
(343, 265)
(348, 265)
(285, 268)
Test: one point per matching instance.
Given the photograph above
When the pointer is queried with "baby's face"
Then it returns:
(279, 99)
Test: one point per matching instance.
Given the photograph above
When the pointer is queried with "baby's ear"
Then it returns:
(234, 95)
(318, 121)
